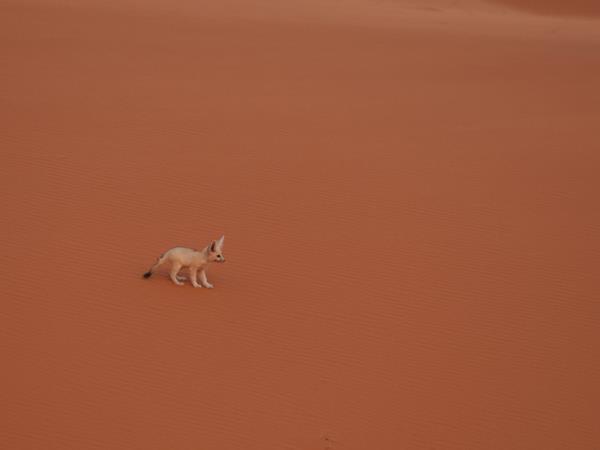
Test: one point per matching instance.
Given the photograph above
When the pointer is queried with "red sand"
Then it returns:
(581, 8)
(409, 194)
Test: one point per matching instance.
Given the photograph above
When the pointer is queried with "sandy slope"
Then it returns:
(580, 8)
(410, 210)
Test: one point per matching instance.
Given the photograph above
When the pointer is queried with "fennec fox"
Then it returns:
(196, 261)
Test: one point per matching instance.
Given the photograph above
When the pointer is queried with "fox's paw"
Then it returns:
(180, 278)
(196, 285)
(208, 286)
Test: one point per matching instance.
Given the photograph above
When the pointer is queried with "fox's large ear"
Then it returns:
(213, 246)
(220, 242)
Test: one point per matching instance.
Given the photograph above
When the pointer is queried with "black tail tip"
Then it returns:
(147, 274)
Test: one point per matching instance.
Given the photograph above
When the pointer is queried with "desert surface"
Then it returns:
(409, 194)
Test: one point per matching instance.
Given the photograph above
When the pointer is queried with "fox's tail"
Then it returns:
(158, 262)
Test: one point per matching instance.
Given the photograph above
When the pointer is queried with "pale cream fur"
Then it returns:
(196, 261)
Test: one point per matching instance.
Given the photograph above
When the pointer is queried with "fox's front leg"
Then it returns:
(204, 281)
(194, 277)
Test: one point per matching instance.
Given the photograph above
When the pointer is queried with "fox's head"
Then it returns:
(215, 251)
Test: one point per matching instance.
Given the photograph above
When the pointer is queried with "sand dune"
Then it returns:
(581, 8)
(408, 197)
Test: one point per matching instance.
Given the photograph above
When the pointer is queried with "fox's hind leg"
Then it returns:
(174, 271)
(194, 277)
